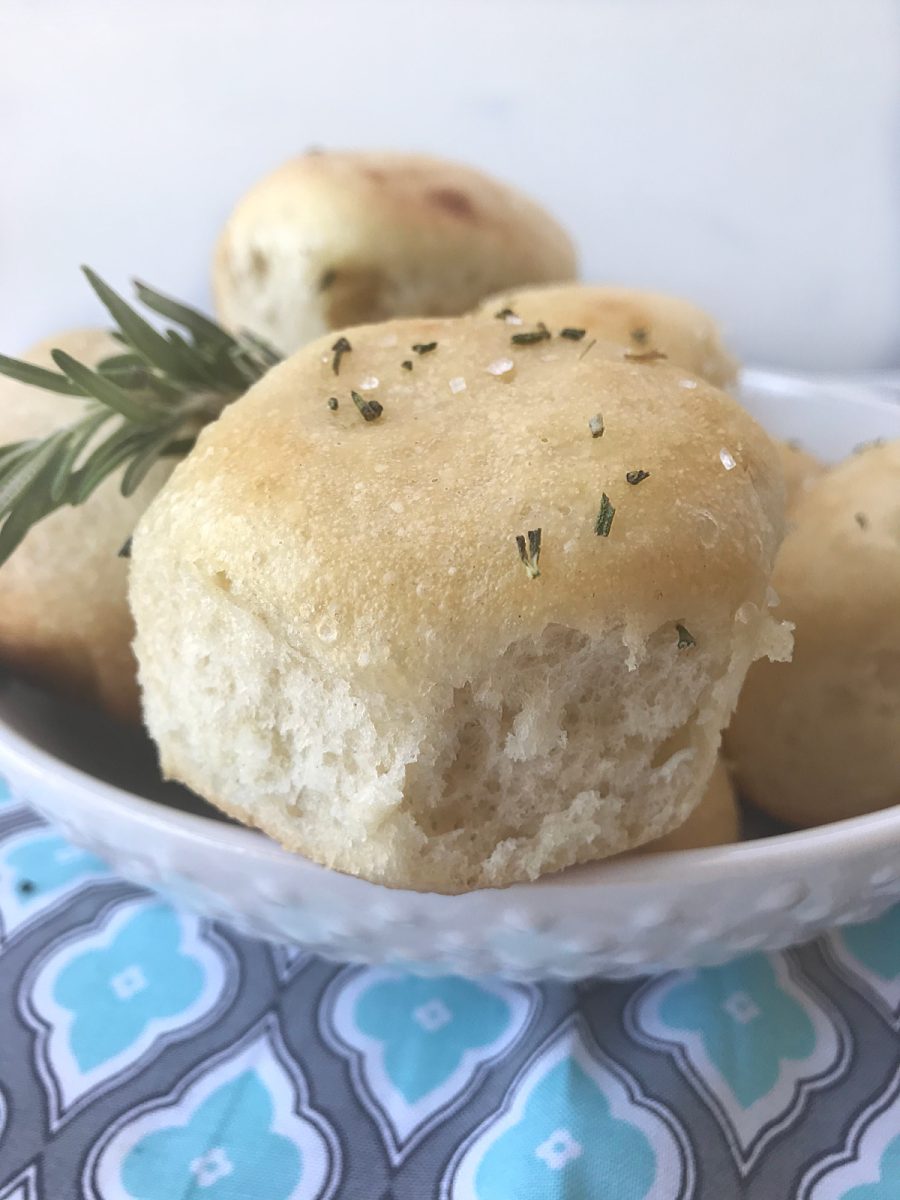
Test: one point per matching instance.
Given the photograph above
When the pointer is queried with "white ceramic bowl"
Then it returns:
(614, 919)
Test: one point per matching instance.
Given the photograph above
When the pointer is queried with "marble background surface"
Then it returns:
(744, 154)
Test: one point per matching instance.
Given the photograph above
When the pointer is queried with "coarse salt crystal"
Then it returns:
(458, 384)
(501, 366)
(687, 383)
(369, 383)
(512, 319)
(726, 460)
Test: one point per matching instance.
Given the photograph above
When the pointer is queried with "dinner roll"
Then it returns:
(64, 619)
(334, 239)
(818, 739)
(716, 821)
(801, 470)
(645, 322)
(339, 641)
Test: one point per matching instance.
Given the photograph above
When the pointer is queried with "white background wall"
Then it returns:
(743, 152)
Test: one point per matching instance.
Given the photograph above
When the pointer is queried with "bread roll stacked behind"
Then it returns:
(818, 739)
(64, 618)
(646, 323)
(716, 821)
(339, 642)
(801, 470)
(335, 239)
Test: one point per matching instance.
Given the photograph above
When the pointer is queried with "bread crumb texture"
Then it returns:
(339, 643)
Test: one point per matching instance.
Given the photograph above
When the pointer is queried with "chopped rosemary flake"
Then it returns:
(370, 409)
(530, 552)
(340, 348)
(333, 403)
(604, 521)
(639, 334)
(125, 550)
(685, 638)
(636, 476)
(424, 347)
(406, 364)
(327, 278)
(596, 426)
(530, 337)
(644, 356)
(574, 335)
(588, 348)
(504, 313)
(862, 520)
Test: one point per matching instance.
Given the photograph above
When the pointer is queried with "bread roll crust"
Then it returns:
(334, 239)
(801, 470)
(816, 739)
(644, 321)
(366, 657)
(64, 617)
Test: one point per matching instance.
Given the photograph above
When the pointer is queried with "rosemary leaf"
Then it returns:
(370, 409)
(530, 552)
(201, 328)
(48, 381)
(530, 337)
(77, 442)
(685, 638)
(104, 390)
(604, 521)
(147, 341)
(137, 469)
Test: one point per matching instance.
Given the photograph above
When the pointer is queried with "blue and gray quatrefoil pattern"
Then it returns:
(151, 1055)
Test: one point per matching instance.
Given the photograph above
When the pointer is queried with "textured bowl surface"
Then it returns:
(613, 919)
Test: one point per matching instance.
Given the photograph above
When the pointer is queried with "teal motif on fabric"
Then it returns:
(226, 1152)
(567, 1146)
(48, 862)
(747, 1022)
(114, 993)
(427, 1025)
(877, 944)
(888, 1185)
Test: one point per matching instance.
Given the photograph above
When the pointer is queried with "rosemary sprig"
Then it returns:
(145, 403)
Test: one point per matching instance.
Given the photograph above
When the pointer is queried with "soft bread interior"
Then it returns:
(565, 748)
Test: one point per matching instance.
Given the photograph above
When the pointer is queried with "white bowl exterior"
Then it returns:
(613, 919)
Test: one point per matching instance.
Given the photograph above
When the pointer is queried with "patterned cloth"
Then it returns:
(149, 1055)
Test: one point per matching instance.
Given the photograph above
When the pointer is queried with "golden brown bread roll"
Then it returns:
(64, 618)
(644, 322)
(339, 643)
(818, 738)
(716, 821)
(801, 470)
(335, 239)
